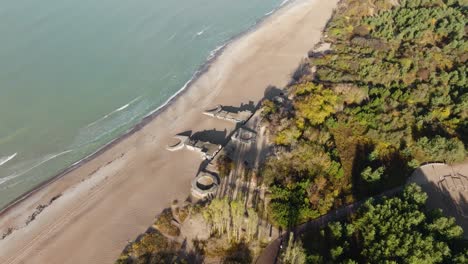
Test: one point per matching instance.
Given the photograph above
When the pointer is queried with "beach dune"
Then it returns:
(115, 196)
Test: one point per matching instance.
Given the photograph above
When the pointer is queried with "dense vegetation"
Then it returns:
(394, 230)
(151, 248)
(389, 95)
(230, 218)
(164, 224)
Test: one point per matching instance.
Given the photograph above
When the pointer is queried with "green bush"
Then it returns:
(393, 230)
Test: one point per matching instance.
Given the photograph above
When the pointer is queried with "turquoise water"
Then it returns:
(75, 74)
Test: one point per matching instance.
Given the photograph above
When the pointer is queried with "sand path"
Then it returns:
(114, 197)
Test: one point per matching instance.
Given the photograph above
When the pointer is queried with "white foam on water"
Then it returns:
(172, 37)
(284, 2)
(215, 51)
(106, 132)
(44, 160)
(89, 135)
(122, 108)
(7, 159)
(201, 32)
(115, 111)
(269, 13)
(172, 97)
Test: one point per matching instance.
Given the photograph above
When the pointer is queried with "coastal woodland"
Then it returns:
(382, 94)
(392, 230)
(389, 95)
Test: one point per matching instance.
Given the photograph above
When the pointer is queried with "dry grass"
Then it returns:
(183, 213)
(164, 223)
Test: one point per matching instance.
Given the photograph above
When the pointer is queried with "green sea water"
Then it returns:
(76, 74)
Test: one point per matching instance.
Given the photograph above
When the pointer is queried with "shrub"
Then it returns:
(165, 225)
(441, 149)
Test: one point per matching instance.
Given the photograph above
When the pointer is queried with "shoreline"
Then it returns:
(111, 195)
(203, 68)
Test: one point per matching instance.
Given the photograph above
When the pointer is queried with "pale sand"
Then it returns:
(101, 209)
(447, 189)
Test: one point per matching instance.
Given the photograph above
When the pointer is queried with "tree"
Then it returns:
(268, 108)
(442, 149)
(462, 257)
(391, 230)
(336, 252)
(252, 224)
(231, 218)
(295, 253)
(336, 229)
(290, 206)
(315, 103)
(414, 194)
(370, 175)
(445, 228)
(237, 219)
(218, 215)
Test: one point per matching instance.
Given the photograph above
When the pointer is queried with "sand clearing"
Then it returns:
(447, 189)
(115, 196)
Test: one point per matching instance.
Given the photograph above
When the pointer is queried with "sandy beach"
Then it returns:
(115, 196)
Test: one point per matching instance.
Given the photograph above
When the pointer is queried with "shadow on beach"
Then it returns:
(213, 136)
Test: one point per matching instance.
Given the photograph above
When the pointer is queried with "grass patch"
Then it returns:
(165, 225)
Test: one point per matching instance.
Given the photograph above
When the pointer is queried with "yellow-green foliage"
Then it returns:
(295, 253)
(439, 149)
(252, 224)
(304, 161)
(165, 225)
(441, 113)
(230, 218)
(149, 244)
(237, 219)
(183, 213)
(217, 213)
(268, 108)
(315, 103)
(350, 94)
(288, 136)
(151, 247)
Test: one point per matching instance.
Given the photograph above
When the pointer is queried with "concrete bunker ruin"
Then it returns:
(205, 186)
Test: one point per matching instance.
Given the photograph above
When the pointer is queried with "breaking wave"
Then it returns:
(115, 111)
(39, 163)
(7, 158)
(284, 2)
